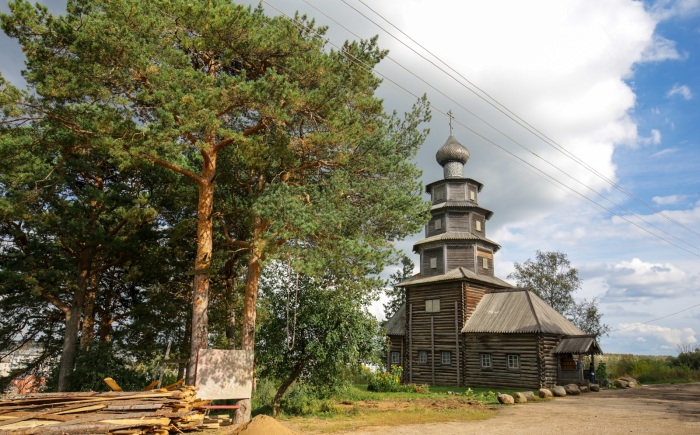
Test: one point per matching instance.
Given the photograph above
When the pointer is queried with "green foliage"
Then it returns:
(601, 372)
(385, 382)
(313, 330)
(397, 295)
(553, 279)
(101, 361)
(650, 369)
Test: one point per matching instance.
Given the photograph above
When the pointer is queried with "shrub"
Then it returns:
(382, 381)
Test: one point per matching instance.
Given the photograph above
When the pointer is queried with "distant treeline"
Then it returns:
(656, 369)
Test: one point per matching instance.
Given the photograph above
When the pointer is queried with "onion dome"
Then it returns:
(452, 156)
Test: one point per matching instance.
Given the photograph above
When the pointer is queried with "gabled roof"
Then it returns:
(396, 325)
(457, 274)
(579, 345)
(456, 236)
(518, 311)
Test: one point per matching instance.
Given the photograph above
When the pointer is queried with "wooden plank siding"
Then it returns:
(439, 194)
(440, 228)
(395, 344)
(456, 192)
(460, 256)
(458, 222)
(439, 255)
(435, 333)
(499, 346)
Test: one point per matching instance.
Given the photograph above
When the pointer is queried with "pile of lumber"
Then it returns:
(115, 412)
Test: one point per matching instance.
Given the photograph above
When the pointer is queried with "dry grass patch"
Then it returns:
(385, 413)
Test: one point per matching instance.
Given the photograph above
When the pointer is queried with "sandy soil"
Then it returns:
(657, 409)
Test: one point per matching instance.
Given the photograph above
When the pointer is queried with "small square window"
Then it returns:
(514, 362)
(486, 361)
(423, 357)
(433, 263)
(485, 263)
(396, 358)
(478, 225)
(446, 358)
(432, 305)
(438, 224)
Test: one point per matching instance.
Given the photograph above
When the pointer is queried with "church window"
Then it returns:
(432, 305)
(485, 262)
(438, 224)
(478, 225)
(433, 263)
(513, 362)
(446, 358)
(472, 195)
(395, 358)
(486, 361)
(423, 357)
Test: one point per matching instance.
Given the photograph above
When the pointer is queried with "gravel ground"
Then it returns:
(655, 409)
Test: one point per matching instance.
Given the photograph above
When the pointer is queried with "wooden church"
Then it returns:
(463, 326)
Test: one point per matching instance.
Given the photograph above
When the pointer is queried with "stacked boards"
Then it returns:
(122, 413)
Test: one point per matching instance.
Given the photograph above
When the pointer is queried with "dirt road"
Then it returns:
(657, 409)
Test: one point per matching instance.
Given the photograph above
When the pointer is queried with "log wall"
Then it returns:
(434, 333)
(499, 346)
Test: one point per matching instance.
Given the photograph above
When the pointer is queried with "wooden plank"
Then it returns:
(151, 386)
(111, 383)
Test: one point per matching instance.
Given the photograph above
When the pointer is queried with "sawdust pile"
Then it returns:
(263, 425)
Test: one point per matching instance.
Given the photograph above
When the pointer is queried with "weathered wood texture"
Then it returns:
(442, 339)
(484, 257)
(151, 412)
(456, 191)
(439, 194)
(549, 361)
(457, 221)
(437, 225)
(499, 346)
(460, 256)
(439, 256)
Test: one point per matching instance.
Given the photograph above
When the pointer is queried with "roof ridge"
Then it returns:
(532, 307)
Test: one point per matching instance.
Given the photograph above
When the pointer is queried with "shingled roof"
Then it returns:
(518, 311)
(396, 325)
(460, 273)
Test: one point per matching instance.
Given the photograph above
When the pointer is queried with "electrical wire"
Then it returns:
(563, 172)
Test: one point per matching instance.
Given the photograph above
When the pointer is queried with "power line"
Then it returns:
(486, 97)
(654, 320)
(563, 172)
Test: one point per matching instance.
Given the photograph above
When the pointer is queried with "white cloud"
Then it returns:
(668, 9)
(637, 280)
(664, 152)
(681, 90)
(670, 336)
(668, 200)
(661, 49)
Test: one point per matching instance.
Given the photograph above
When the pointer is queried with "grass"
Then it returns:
(364, 419)
(356, 408)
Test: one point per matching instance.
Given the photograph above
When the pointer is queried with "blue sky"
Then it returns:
(614, 82)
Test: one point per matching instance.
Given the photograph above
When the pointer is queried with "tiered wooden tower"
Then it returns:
(456, 270)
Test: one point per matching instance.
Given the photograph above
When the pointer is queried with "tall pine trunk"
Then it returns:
(250, 310)
(72, 315)
(200, 293)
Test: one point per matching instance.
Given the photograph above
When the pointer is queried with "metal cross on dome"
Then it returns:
(451, 115)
